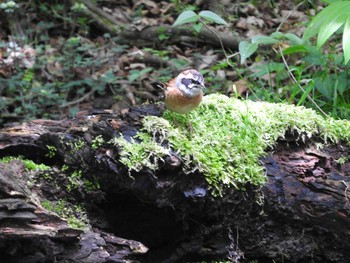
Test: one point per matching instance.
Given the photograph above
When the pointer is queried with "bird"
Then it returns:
(185, 92)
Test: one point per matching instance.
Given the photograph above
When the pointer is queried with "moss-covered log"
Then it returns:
(232, 180)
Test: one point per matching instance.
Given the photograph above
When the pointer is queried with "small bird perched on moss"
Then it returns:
(184, 93)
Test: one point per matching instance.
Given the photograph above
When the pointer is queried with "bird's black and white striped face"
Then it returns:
(190, 82)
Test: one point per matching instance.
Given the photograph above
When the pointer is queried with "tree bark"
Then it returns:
(300, 215)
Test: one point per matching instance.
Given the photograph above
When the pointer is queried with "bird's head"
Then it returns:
(190, 82)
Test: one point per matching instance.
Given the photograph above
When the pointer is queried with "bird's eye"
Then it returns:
(189, 83)
(194, 82)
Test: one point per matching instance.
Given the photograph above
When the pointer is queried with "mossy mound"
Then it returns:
(225, 139)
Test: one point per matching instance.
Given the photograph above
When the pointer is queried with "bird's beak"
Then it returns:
(202, 87)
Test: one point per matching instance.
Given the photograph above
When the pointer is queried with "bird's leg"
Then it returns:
(189, 125)
(186, 122)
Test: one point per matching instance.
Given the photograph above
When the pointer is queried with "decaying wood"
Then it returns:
(300, 215)
(30, 233)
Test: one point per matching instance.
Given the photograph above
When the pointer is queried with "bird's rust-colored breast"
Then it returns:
(176, 101)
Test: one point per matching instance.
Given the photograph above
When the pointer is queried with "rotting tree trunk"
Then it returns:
(300, 215)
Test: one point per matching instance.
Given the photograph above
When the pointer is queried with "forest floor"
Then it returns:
(55, 60)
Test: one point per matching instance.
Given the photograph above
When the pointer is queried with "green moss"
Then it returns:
(52, 151)
(342, 160)
(79, 144)
(67, 212)
(29, 164)
(97, 142)
(226, 138)
(77, 179)
(138, 155)
(74, 180)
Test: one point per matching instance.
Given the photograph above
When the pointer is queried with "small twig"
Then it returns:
(287, 16)
(233, 55)
(296, 82)
(78, 100)
(286, 64)
(221, 44)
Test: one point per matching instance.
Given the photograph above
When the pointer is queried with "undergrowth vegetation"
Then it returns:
(301, 73)
(49, 72)
(300, 70)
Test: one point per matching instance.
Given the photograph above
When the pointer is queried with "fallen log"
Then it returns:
(125, 198)
(149, 35)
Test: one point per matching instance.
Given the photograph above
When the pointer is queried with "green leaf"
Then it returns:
(108, 77)
(331, 1)
(277, 35)
(135, 73)
(246, 49)
(179, 63)
(308, 88)
(265, 40)
(341, 82)
(197, 27)
(346, 41)
(211, 16)
(314, 25)
(295, 49)
(326, 16)
(268, 68)
(295, 40)
(314, 56)
(186, 17)
(329, 27)
(325, 85)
